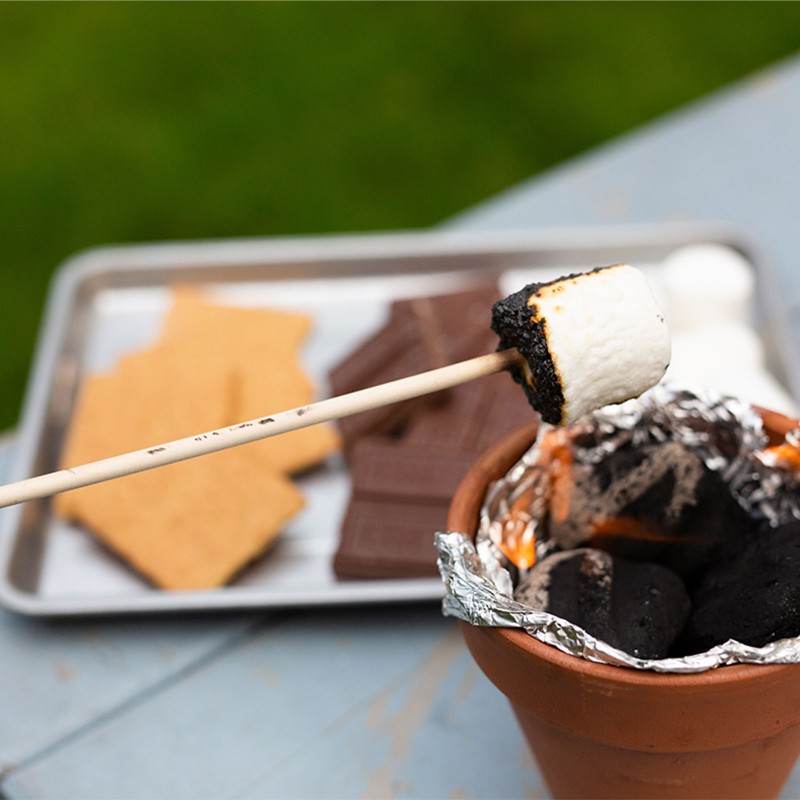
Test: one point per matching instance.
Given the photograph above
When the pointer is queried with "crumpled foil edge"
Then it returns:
(473, 596)
(479, 590)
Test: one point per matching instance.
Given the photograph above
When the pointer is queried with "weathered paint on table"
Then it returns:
(375, 702)
(731, 157)
(380, 702)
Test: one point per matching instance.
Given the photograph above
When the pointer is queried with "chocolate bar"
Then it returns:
(420, 334)
(405, 466)
(387, 468)
(402, 486)
(398, 350)
(388, 539)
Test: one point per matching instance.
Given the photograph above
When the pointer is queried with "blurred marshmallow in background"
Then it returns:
(706, 284)
(708, 295)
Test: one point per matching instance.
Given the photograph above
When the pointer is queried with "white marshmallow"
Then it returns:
(728, 358)
(715, 350)
(707, 284)
(607, 338)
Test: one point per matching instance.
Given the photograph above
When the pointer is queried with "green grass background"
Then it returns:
(123, 122)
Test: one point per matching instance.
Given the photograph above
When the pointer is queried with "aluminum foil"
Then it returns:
(729, 437)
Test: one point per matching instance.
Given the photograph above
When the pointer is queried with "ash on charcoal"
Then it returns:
(753, 596)
(637, 608)
(655, 502)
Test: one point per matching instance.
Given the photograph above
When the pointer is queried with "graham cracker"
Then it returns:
(192, 313)
(260, 348)
(195, 523)
(191, 525)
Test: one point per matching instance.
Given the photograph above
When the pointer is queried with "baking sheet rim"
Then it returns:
(410, 244)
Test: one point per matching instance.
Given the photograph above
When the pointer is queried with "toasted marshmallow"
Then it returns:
(588, 340)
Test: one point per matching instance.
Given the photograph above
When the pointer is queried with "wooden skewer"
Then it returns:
(255, 429)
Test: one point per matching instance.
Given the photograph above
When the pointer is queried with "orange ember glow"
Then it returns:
(783, 455)
(557, 454)
(629, 528)
(517, 540)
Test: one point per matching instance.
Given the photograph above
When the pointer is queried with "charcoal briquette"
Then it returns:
(752, 596)
(637, 608)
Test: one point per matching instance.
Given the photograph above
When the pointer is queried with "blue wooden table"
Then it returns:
(368, 702)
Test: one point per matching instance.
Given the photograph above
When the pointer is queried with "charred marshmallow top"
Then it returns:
(588, 340)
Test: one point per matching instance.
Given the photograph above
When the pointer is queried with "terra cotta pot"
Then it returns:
(603, 731)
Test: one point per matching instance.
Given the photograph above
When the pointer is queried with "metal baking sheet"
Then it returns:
(107, 301)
